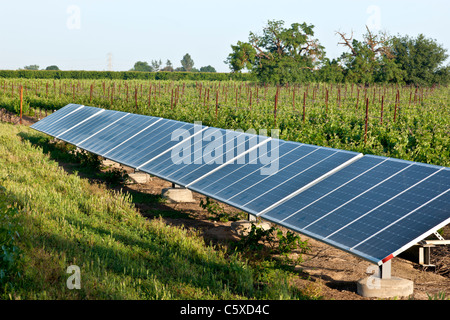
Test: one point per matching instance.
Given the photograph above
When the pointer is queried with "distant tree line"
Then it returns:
(126, 75)
(36, 67)
(292, 55)
(187, 65)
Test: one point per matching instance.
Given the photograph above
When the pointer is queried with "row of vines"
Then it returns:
(403, 122)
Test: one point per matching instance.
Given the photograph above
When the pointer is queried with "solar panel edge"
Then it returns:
(422, 237)
(406, 161)
(326, 241)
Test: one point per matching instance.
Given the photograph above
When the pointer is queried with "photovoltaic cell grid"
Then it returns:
(245, 187)
(192, 159)
(373, 207)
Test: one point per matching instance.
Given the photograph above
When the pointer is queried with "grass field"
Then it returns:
(52, 220)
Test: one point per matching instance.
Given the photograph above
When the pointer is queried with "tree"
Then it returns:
(52, 67)
(142, 67)
(421, 59)
(331, 71)
(279, 55)
(32, 67)
(156, 65)
(207, 69)
(370, 60)
(168, 66)
(187, 62)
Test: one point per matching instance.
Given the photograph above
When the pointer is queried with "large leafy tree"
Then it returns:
(279, 55)
(187, 62)
(142, 66)
(52, 67)
(370, 60)
(207, 68)
(422, 59)
(32, 67)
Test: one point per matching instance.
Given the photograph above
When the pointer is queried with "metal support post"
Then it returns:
(385, 270)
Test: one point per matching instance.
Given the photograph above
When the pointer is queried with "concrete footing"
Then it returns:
(243, 227)
(374, 287)
(110, 163)
(139, 177)
(175, 195)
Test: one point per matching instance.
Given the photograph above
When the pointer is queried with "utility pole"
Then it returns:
(109, 61)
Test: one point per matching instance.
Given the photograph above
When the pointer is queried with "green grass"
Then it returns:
(69, 220)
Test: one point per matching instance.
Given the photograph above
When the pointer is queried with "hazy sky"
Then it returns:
(80, 35)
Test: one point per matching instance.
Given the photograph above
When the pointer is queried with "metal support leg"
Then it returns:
(385, 270)
(251, 217)
(424, 255)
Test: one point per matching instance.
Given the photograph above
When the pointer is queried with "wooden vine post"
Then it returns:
(21, 102)
(217, 101)
(397, 96)
(366, 120)
(304, 106)
(275, 108)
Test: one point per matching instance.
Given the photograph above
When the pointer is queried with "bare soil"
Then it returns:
(325, 270)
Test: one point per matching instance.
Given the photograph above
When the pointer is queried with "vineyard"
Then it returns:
(410, 123)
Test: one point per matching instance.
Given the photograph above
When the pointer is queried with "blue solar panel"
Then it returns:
(244, 186)
(194, 159)
(338, 188)
(65, 123)
(151, 143)
(403, 217)
(118, 133)
(362, 198)
(91, 126)
(56, 116)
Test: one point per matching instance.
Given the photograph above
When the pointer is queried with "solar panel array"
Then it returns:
(373, 207)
